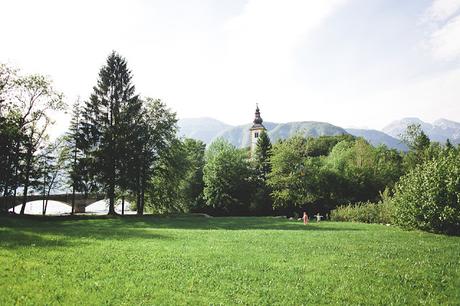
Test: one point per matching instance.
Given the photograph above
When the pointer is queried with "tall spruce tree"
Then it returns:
(262, 202)
(262, 155)
(78, 163)
(107, 120)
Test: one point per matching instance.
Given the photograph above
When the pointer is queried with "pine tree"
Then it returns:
(262, 155)
(77, 162)
(107, 118)
(262, 203)
(449, 145)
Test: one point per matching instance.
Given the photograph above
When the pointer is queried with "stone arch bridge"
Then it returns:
(81, 200)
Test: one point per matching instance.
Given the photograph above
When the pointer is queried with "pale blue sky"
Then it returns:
(357, 63)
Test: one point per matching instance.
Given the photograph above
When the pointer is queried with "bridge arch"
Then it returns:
(35, 207)
(81, 200)
(57, 205)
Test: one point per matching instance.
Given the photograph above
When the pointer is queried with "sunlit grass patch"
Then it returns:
(194, 260)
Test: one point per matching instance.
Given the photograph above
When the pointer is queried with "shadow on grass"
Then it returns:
(122, 225)
(229, 223)
(38, 231)
(67, 231)
(13, 239)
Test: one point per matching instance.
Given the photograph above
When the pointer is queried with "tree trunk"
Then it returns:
(7, 178)
(122, 205)
(74, 169)
(142, 200)
(138, 202)
(46, 204)
(5, 195)
(73, 199)
(16, 179)
(49, 191)
(111, 191)
(26, 183)
(14, 199)
(138, 194)
(24, 197)
(142, 191)
(111, 196)
(44, 196)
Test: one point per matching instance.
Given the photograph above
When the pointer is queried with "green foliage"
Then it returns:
(419, 144)
(164, 193)
(78, 162)
(262, 155)
(51, 162)
(261, 203)
(415, 138)
(193, 185)
(11, 138)
(177, 183)
(323, 145)
(222, 261)
(294, 176)
(109, 119)
(366, 212)
(321, 173)
(154, 137)
(226, 176)
(428, 197)
(125, 136)
(363, 170)
(25, 105)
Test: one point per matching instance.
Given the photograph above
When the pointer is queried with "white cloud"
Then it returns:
(262, 39)
(260, 47)
(443, 16)
(218, 58)
(445, 41)
(441, 10)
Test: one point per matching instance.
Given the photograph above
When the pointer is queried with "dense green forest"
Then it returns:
(126, 146)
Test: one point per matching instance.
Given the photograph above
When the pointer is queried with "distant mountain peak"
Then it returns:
(207, 129)
(446, 123)
(440, 130)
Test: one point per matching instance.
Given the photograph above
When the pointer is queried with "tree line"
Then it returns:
(114, 143)
(126, 147)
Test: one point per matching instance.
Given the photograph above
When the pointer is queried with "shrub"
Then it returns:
(366, 212)
(428, 197)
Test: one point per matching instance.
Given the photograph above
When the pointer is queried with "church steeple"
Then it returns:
(256, 129)
(257, 119)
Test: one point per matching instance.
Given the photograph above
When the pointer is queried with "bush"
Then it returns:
(366, 212)
(428, 197)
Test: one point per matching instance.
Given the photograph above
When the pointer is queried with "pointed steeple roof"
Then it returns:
(257, 120)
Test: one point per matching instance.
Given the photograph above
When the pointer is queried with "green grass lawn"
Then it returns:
(197, 260)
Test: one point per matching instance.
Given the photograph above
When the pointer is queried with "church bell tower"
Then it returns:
(256, 129)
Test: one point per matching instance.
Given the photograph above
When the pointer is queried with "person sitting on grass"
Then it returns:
(305, 218)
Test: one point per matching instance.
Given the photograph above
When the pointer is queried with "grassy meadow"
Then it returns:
(197, 260)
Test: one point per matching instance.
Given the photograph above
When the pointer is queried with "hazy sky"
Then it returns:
(360, 63)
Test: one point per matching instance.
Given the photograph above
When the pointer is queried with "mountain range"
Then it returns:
(209, 129)
(440, 130)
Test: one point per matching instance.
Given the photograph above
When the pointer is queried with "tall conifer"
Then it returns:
(262, 155)
(107, 118)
